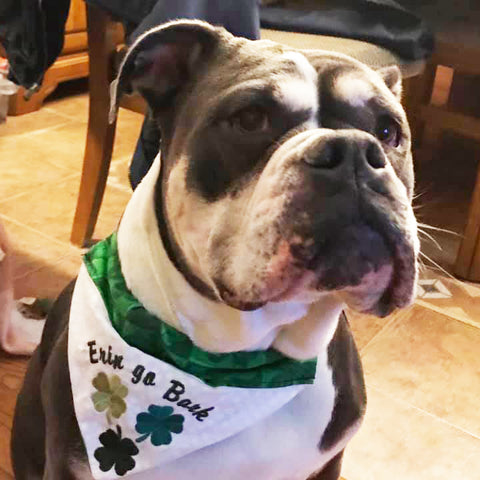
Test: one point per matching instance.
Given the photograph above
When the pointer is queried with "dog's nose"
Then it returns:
(339, 148)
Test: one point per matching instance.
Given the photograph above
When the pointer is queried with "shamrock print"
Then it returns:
(109, 395)
(160, 424)
(116, 451)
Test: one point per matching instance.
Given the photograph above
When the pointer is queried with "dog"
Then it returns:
(205, 339)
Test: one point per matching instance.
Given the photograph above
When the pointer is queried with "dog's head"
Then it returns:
(285, 173)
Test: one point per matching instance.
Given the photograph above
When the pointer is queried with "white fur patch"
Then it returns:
(308, 336)
(354, 90)
(304, 66)
(300, 93)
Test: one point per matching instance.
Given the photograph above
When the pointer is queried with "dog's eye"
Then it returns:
(388, 131)
(251, 119)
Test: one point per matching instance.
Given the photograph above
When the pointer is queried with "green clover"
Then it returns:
(115, 452)
(159, 423)
(109, 396)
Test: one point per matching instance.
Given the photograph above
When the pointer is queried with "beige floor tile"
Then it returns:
(63, 146)
(23, 168)
(49, 281)
(113, 206)
(33, 250)
(50, 209)
(366, 327)
(74, 107)
(30, 124)
(399, 442)
(430, 361)
(118, 174)
(127, 132)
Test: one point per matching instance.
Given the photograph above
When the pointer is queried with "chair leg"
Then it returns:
(467, 265)
(100, 134)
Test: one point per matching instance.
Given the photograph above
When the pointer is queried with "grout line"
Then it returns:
(14, 196)
(39, 131)
(77, 170)
(442, 312)
(418, 409)
(393, 319)
(46, 266)
(120, 187)
(72, 117)
(69, 175)
(29, 272)
(422, 304)
(469, 457)
(38, 232)
(65, 115)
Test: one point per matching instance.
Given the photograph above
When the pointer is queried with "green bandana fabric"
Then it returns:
(140, 329)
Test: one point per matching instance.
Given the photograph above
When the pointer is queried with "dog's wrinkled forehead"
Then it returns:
(182, 53)
(247, 73)
(224, 102)
(192, 59)
(289, 75)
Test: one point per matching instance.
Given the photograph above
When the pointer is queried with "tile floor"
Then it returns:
(422, 365)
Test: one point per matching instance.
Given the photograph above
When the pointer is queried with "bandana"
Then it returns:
(143, 393)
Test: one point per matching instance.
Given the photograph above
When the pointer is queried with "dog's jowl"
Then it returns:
(205, 338)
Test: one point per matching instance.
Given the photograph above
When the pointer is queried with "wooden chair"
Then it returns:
(462, 55)
(103, 54)
(100, 134)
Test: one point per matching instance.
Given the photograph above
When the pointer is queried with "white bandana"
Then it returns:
(136, 412)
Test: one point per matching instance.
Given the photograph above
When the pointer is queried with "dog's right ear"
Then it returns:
(162, 60)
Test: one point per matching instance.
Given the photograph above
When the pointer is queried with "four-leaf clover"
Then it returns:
(116, 451)
(159, 423)
(109, 395)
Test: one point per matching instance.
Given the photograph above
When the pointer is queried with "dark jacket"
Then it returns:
(32, 32)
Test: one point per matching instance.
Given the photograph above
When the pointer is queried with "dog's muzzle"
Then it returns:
(340, 220)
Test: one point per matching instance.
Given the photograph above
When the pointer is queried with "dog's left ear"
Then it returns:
(162, 60)
(393, 78)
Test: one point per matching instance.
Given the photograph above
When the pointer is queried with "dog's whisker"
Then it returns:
(431, 238)
(438, 229)
(421, 266)
(419, 194)
(438, 266)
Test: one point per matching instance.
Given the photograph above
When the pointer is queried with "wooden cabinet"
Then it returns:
(72, 62)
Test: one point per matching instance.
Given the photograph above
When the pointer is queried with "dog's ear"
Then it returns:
(392, 76)
(161, 60)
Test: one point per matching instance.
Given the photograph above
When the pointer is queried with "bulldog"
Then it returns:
(205, 338)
